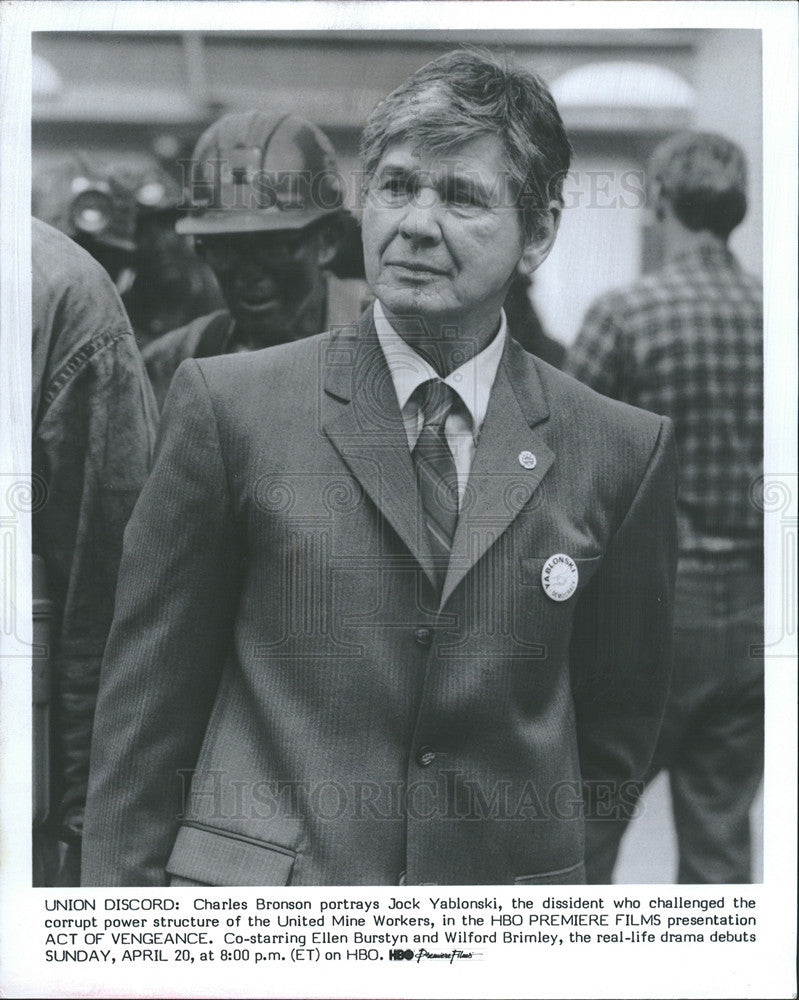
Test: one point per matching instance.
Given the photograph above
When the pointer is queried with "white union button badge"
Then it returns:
(559, 577)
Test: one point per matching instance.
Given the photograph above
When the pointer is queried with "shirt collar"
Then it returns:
(472, 381)
(708, 253)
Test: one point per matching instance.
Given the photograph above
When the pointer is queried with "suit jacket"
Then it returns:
(285, 700)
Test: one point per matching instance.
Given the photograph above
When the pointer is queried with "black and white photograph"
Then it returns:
(399, 517)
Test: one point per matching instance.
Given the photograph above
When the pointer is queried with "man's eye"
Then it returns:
(395, 186)
(464, 197)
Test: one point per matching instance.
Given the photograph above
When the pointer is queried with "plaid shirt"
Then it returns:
(687, 343)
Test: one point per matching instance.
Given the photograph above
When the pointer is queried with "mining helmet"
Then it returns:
(102, 210)
(102, 201)
(109, 208)
(252, 172)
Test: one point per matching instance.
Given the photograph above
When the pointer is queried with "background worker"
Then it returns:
(93, 430)
(124, 215)
(525, 325)
(267, 216)
(687, 342)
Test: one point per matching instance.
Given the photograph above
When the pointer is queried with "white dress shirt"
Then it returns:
(472, 381)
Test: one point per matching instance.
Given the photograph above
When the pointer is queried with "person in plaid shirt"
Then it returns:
(687, 342)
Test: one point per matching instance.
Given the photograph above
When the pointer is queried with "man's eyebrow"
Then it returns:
(396, 168)
(447, 179)
(470, 181)
(466, 179)
(444, 176)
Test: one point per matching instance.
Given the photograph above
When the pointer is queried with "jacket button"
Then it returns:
(425, 757)
(423, 636)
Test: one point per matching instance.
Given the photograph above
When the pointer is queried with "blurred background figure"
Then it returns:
(525, 326)
(687, 342)
(266, 214)
(93, 431)
(123, 213)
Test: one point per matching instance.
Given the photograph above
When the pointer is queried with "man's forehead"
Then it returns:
(482, 155)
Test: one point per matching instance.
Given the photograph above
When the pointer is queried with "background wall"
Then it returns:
(729, 100)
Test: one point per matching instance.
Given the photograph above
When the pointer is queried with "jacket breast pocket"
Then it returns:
(204, 856)
(544, 603)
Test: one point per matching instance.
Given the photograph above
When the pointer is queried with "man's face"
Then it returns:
(273, 282)
(441, 234)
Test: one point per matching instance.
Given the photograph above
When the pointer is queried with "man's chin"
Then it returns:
(416, 301)
(261, 329)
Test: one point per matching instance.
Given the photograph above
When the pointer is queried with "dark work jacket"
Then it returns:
(525, 326)
(211, 335)
(93, 431)
(203, 337)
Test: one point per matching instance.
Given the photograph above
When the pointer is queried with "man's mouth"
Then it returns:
(416, 267)
(259, 304)
(262, 295)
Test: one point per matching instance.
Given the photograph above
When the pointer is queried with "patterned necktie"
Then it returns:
(436, 475)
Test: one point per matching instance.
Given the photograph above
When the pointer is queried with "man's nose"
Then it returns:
(421, 220)
(250, 269)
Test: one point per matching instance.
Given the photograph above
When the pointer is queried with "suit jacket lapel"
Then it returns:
(499, 484)
(362, 419)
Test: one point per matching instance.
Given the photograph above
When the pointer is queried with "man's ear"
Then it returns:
(327, 244)
(536, 249)
(657, 201)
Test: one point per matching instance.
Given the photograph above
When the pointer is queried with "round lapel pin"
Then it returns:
(559, 577)
(527, 460)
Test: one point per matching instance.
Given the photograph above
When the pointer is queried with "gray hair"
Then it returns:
(466, 94)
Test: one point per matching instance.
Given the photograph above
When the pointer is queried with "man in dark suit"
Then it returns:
(396, 601)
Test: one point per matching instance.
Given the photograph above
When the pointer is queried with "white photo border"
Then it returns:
(707, 971)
